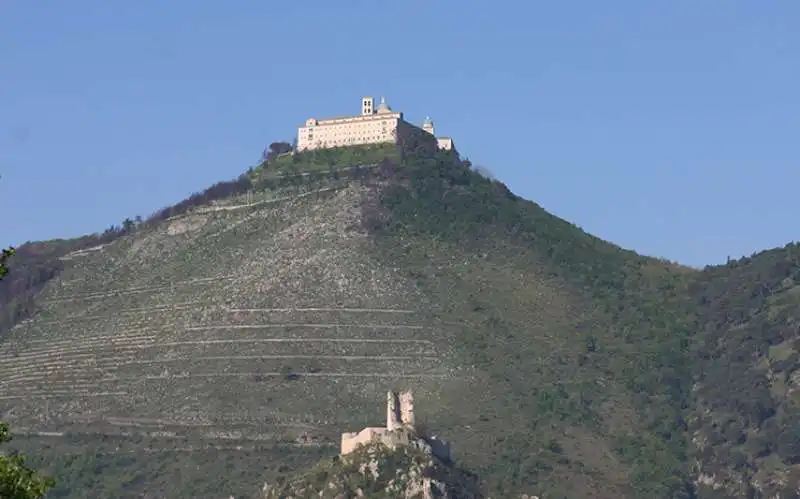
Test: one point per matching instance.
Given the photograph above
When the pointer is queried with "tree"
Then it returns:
(7, 253)
(276, 149)
(128, 225)
(17, 481)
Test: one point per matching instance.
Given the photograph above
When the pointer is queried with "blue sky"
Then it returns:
(668, 127)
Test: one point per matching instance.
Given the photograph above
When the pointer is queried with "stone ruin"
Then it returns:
(400, 429)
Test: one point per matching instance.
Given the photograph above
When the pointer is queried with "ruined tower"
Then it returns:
(406, 400)
(399, 410)
(392, 411)
(399, 416)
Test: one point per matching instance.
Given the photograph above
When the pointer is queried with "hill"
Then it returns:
(229, 343)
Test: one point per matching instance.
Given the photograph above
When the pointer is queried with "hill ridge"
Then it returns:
(566, 362)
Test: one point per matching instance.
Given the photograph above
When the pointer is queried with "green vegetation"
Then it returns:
(744, 410)
(630, 329)
(6, 254)
(121, 466)
(17, 480)
(325, 160)
(558, 364)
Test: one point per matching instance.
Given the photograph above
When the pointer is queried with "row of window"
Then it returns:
(367, 124)
(349, 140)
(347, 133)
(344, 134)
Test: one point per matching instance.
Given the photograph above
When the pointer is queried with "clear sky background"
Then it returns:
(669, 127)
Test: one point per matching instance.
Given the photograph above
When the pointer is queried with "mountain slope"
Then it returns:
(571, 332)
(745, 418)
(233, 342)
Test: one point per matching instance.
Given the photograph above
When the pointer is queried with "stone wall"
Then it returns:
(350, 441)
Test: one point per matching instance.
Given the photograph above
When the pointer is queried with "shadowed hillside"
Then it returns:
(745, 417)
(233, 341)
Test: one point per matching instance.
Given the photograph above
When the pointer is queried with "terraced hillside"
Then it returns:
(265, 323)
(202, 355)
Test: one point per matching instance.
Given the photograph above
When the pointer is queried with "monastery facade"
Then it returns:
(373, 126)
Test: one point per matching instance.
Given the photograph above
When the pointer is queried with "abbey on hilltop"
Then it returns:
(372, 126)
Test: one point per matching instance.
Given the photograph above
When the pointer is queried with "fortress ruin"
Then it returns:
(399, 430)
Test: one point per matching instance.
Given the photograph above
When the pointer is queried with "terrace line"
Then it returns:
(174, 377)
(47, 395)
(323, 309)
(87, 351)
(149, 341)
(301, 325)
(121, 337)
(29, 372)
(200, 305)
(213, 209)
(287, 357)
(287, 340)
(140, 289)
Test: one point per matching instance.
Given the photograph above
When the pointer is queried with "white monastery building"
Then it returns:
(372, 126)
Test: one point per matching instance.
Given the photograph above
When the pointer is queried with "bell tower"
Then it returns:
(367, 106)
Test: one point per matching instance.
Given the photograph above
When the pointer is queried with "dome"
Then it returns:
(384, 107)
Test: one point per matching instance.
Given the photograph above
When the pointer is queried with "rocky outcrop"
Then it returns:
(375, 470)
